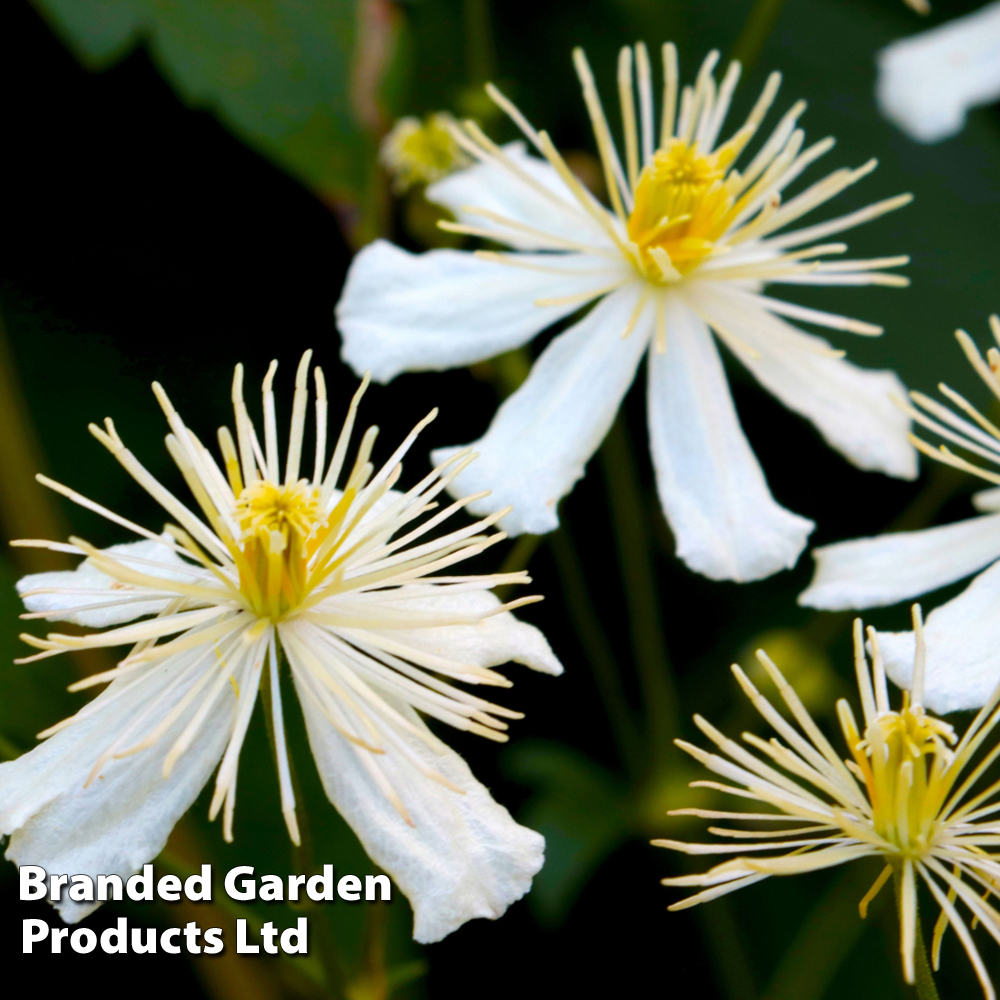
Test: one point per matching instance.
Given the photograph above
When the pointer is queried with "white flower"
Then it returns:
(685, 251)
(963, 635)
(927, 83)
(347, 583)
(907, 794)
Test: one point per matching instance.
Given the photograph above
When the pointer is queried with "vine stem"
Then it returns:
(756, 32)
(649, 646)
(509, 372)
(596, 648)
(926, 987)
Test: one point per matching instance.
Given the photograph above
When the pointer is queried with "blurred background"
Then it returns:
(183, 185)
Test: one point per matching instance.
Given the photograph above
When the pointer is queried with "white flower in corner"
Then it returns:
(963, 635)
(927, 83)
(685, 251)
(347, 583)
(911, 793)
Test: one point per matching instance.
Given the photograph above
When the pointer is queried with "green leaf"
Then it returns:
(278, 73)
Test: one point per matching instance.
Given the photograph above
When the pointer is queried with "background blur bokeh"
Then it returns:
(182, 186)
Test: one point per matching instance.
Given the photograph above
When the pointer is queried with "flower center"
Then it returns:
(682, 207)
(280, 528)
(904, 756)
(430, 150)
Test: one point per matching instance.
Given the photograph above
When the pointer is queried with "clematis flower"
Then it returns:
(929, 81)
(908, 794)
(415, 152)
(354, 588)
(684, 252)
(963, 635)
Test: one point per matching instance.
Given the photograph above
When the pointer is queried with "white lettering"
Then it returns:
(242, 948)
(140, 887)
(320, 887)
(300, 932)
(349, 888)
(32, 881)
(249, 889)
(32, 930)
(199, 886)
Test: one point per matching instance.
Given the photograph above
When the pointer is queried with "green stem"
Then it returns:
(926, 989)
(372, 983)
(596, 647)
(641, 592)
(479, 58)
(755, 32)
(509, 372)
(517, 559)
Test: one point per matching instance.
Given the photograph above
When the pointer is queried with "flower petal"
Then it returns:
(490, 187)
(123, 818)
(464, 856)
(88, 577)
(727, 524)
(872, 572)
(927, 82)
(963, 648)
(498, 639)
(543, 435)
(448, 308)
(850, 406)
(987, 500)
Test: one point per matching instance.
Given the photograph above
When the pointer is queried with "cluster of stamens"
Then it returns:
(901, 760)
(282, 528)
(682, 206)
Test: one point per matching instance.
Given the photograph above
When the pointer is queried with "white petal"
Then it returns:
(491, 187)
(543, 435)
(496, 640)
(122, 820)
(88, 577)
(987, 500)
(927, 83)
(447, 308)
(850, 406)
(464, 857)
(871, 572)
(727, 524)
(963, 648)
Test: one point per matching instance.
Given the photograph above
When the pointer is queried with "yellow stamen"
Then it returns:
(681, 206)
(281, 528)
